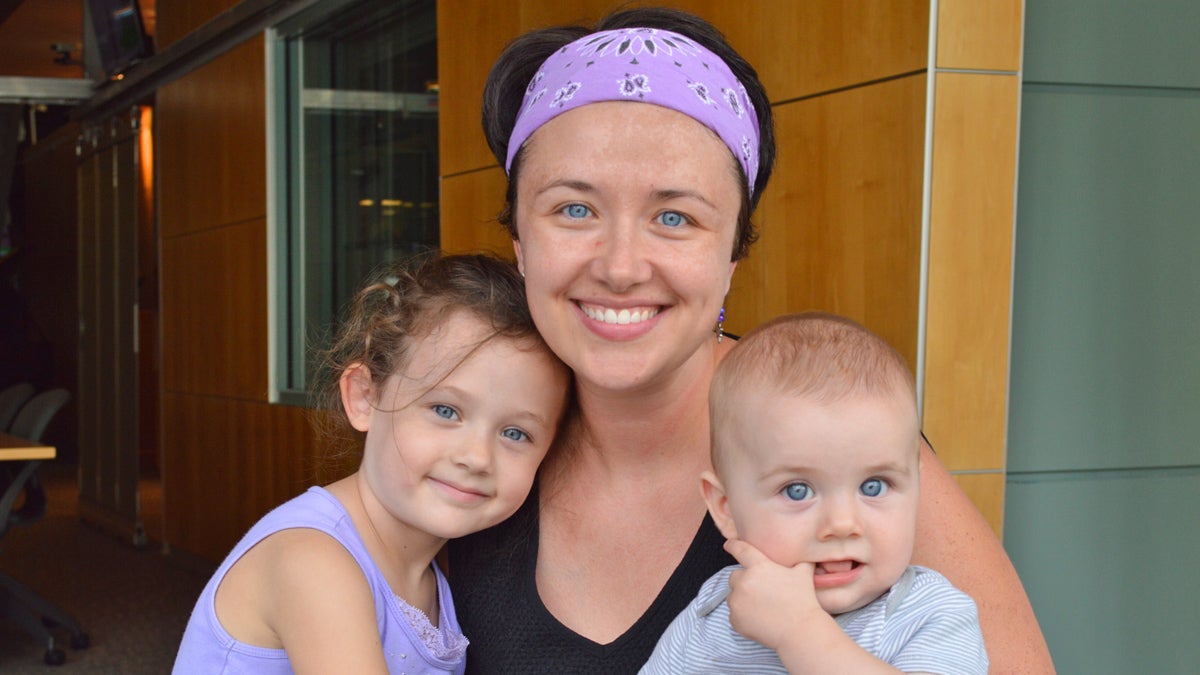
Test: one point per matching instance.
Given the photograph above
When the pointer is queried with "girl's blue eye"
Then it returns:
(445, 411)
(798, 491)
(672, 219)
(873, 487)
(577, 211)
(514, 434)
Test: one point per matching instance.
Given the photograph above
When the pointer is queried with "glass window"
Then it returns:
(353, 157)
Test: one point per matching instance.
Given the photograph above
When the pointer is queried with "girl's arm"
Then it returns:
(954, 539)
(319, 604)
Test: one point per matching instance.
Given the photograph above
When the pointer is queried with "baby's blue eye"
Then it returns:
(873, 487)
(445, 411)
(514, 434)
(577, 211)
(672, 219)
(797, 491)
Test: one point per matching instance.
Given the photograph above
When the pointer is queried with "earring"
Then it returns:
(721, 325)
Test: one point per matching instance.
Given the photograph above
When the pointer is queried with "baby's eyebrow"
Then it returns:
(889, 467)
(788, 470)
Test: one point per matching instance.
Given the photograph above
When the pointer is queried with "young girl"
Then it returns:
(459, 399)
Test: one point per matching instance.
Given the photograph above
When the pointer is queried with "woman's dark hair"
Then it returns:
(520, 60)
(404, 304)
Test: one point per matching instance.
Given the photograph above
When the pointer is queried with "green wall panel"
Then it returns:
(1106, 307)
(1123, 42)
(1110, 563)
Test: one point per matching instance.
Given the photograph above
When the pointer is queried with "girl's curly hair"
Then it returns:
(402, 305)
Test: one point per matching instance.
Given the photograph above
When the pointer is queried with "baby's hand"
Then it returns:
(768, 602)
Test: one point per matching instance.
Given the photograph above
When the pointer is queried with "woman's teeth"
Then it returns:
(618, 316)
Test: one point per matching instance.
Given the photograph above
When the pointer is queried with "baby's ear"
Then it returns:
(355, 384)
(718, 504)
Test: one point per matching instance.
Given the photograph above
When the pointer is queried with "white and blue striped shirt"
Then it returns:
(922, 624)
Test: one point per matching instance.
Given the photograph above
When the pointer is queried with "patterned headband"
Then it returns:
(646, 65)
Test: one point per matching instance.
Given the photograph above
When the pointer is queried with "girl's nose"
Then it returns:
(474, 454)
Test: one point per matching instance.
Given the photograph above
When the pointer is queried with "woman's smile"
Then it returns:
(620, 316)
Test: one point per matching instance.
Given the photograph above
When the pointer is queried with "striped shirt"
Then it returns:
(922, 624)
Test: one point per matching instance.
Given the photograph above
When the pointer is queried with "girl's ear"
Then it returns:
(718, 504)
(357, 391)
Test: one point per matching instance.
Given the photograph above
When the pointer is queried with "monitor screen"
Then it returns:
(120, 36)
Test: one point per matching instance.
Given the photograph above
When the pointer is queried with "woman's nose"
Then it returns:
(621, 257)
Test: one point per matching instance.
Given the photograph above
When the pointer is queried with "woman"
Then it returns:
(628, 222)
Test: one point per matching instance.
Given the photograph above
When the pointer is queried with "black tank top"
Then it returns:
(511, 631)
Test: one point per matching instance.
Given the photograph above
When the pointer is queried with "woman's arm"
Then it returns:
(954, 539)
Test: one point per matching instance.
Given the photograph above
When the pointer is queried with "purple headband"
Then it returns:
(647, 65)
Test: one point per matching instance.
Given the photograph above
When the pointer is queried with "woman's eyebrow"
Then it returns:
(574, 184)
(666, 194)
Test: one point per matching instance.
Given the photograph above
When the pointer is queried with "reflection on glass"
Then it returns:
(362, 156)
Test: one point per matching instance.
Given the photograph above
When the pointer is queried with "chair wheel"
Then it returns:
(80, 641)
(55, 657)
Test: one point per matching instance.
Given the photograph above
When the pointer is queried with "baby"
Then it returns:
(815, 442)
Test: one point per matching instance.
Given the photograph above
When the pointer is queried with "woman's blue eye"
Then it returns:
(873, 487)
(514, 434)
(672, 219)
(445, 411)
(797, 491)
(577, 211)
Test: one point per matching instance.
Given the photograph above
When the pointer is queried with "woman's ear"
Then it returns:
(520, 256)
(357, 391)
(718, 504)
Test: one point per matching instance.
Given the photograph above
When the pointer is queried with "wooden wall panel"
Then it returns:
(229, 462)
(211, 139)
(176, 18)
(798, 48)
(805, 48)
(470, 202)
(214, 309)
(29, 28)
(841, 222)
(970, 267)
(986, 491)
(979, 35)
(470, 35)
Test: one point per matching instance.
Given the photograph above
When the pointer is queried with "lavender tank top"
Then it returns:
(410, 643)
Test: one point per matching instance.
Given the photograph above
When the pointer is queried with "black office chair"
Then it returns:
(17, 602)
(11, 400)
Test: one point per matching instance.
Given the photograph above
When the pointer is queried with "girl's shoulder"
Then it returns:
(291, 558)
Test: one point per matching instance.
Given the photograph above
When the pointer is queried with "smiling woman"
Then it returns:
(631, 179)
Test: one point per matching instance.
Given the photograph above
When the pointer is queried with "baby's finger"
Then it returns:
(744, 552)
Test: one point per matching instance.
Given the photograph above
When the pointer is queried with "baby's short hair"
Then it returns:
(815, 355)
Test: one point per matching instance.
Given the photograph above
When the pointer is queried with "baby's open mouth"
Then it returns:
(835, 567)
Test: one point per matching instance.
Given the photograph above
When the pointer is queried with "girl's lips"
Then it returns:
(836, 573)
(459, 493)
